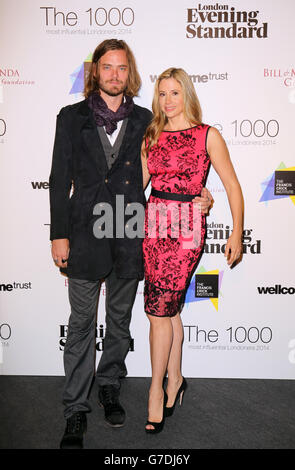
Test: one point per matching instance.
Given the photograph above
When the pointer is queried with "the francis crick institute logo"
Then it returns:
(80, 75)
(205, 285)
(219, 21)
(280, 184)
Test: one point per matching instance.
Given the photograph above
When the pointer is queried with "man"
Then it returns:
(97, 155)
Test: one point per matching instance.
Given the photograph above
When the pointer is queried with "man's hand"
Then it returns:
(205, 200)
(60, 252)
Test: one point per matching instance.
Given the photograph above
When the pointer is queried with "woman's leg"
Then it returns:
(174, 364)
(161, 337)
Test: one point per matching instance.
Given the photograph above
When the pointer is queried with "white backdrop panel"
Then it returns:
(246, 88)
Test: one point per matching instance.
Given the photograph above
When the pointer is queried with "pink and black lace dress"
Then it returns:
(174, 227)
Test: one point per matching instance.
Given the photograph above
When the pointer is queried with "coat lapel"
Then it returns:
(130, 138)
(90, 138)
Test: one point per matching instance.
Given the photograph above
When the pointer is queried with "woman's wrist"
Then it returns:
(237, 232)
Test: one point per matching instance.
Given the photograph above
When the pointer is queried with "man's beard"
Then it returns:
(114, 91)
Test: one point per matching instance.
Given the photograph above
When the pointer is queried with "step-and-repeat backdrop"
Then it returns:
(238, 323)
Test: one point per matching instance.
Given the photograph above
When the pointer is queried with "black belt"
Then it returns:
(173, 196)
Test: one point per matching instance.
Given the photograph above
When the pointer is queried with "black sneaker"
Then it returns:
(76, 427)
(109, 399)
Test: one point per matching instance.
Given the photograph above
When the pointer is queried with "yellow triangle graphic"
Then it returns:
(216, 271)
(215, 302)
(291, 168)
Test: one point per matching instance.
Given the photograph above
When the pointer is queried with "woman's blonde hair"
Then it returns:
(192, 109)
(133, 82)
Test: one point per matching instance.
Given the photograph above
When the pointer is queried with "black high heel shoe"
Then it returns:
(168, 411)
(157, 426)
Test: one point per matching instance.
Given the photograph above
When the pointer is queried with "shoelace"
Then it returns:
(74, 423)
(109, 395)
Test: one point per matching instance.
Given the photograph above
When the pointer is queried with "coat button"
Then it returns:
(106, 180)
(128, 162)
(126, 182)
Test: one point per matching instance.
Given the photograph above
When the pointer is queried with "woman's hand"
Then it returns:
(233, 249)
(60, 250)
(205, 200)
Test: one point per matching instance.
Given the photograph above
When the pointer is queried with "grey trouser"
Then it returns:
(79, 351)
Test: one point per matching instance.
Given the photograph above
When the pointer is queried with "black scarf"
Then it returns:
(104, 116)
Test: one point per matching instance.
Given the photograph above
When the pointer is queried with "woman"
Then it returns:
(176, 154)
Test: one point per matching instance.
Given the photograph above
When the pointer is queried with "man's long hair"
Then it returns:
(134, 81)
(192, 108)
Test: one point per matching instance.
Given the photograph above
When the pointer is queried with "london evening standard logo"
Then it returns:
(100, 331)
(280, 184)
(218, 234)
(219, 21)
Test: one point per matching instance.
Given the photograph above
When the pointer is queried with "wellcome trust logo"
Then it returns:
(15, 286)
(200, 77)
(205, 286)
(80, 75)
(277, 289)
(280, 184)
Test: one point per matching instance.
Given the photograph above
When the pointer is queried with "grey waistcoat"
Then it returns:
(112, 152)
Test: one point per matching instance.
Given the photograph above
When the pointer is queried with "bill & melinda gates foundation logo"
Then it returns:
(232, 24)
(12, 76)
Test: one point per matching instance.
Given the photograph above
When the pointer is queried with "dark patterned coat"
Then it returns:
(79, 160)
